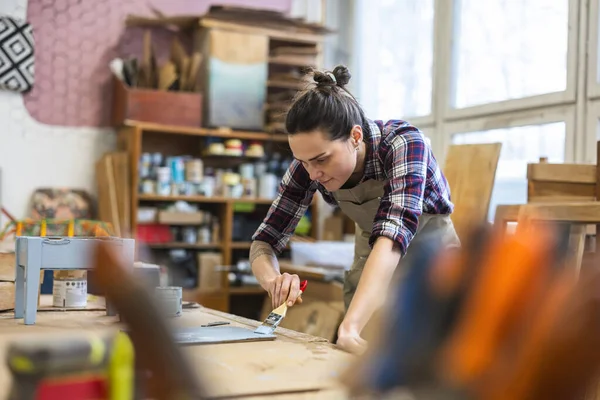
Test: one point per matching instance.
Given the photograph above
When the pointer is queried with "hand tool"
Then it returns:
(277, 315)
(216, 323)
(72, 368)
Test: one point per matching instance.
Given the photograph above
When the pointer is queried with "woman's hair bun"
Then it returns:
(340, 76)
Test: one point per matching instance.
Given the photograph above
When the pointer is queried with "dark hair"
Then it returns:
(326, 105)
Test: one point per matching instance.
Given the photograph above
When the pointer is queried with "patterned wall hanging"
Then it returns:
(16, 55)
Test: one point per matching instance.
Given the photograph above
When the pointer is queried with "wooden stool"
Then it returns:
(34, 254)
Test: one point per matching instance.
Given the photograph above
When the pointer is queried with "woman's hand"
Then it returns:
(284, 287)
(349, 340)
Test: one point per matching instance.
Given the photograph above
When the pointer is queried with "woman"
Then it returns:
(384, 176)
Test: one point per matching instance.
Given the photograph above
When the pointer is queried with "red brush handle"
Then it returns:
(303, 285)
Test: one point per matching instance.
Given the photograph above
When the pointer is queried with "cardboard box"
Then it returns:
(181, 218)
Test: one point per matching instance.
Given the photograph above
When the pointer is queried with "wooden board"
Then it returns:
(108, 209)
(7, 267)
(120, 162)
(471, 170)
(219, 334)
(7, 296)
(293, 364)
(560, 182)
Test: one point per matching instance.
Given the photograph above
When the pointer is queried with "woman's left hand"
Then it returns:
(349, 340)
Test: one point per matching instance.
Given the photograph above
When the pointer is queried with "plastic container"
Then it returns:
(323, 253)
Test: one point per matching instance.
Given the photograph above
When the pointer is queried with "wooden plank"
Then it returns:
(120, 162)
(470, 170)
(568, 173)
(7, 267)
(223, 133)
(581, 212)
(560, 191)
(108, 208)
(7, 296)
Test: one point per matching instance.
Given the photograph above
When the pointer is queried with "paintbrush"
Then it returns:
(277, 315)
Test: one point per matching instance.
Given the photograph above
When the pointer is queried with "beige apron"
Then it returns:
(360, 204)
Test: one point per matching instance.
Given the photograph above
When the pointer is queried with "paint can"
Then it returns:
(69, 292)
(170, 300)
(194, 170)
(163, 175)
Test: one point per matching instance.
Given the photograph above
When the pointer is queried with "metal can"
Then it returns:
(69, 292)
(194, 170)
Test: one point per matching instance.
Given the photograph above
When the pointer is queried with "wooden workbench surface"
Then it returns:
(294, 366)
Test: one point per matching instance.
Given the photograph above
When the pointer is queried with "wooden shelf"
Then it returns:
(223, 133)
(181, 245)
(289, 61)
(137, 137)
(286, 85)
(203, 199)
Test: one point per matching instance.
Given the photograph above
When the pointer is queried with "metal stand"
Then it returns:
(34, 254)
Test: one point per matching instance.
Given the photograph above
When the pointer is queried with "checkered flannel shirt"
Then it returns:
(396, 152)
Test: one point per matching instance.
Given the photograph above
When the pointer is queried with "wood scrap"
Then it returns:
(471, 172)
(108, 206)
(7, 296)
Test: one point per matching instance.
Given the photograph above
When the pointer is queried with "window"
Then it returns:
(509, 49)
(520, 145)
(395, 66)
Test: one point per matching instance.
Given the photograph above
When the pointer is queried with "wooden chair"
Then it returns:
(578, 215)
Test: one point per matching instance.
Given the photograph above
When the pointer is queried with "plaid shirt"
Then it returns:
(396, 152)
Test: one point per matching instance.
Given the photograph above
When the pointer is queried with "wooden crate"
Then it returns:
(155, 106)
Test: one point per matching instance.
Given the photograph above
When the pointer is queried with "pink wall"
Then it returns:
(76, 40)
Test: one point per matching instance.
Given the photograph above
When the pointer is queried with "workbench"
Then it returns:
(294, 366)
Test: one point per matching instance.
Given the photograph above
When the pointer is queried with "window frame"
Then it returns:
(593, 130)
(549, 99)
(572, 104)
(520, 118)
(593, 78)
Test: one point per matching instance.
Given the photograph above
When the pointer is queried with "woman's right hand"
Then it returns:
(284, 287)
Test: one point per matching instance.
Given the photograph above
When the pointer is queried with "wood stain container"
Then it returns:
(169, 300)
(69, 289)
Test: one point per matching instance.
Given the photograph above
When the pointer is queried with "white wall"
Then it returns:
(34, 155)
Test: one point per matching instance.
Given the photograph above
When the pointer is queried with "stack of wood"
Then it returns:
(7, 277)
(112, 177)
(266, 19)
(289, 64)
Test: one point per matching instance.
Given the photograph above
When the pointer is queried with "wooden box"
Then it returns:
(155, 106)
(233, 77)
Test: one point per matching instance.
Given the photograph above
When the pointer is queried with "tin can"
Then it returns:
(148, 186)
(170, 300)
(194, 170)
(69, 292)
(163, 174)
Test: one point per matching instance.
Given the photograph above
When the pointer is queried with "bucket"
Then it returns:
(169, 300)
(69, 292)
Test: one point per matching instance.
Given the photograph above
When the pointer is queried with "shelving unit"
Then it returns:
(136, 138)
(291, 46)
